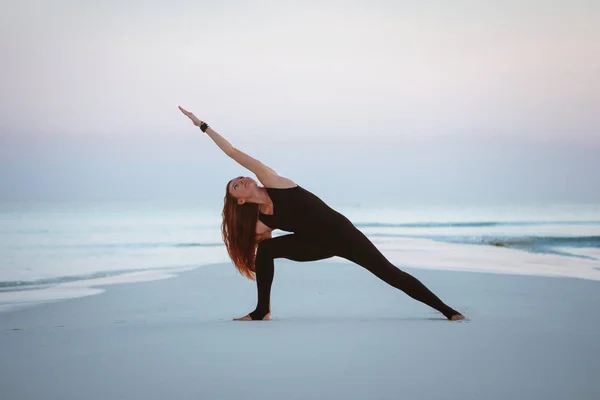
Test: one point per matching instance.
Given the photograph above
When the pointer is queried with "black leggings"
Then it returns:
(353, 246)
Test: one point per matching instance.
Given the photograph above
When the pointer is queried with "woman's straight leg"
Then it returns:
(354, 246)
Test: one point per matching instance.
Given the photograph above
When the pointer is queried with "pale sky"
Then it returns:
(448, 100)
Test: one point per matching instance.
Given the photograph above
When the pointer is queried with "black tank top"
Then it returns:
(300, 211)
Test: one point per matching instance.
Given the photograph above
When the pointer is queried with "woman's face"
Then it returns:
(242, 187)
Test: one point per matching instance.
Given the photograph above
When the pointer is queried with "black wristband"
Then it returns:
(203, 126)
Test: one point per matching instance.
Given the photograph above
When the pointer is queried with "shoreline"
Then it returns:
(458, 258)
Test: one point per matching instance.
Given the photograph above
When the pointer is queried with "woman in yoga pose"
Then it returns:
(251, 212)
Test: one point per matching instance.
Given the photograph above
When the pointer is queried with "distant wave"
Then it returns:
(469, 224)
(198, 244)
(534, 244)
(117, 245)
(373, 224)
(568, 241)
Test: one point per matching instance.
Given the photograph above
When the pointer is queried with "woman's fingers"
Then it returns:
(186, 112)
(190, 115)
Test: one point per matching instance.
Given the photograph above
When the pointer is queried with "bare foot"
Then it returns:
(249, 318)
(458, 317)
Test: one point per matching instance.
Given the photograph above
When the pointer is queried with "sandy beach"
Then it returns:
(337, 333)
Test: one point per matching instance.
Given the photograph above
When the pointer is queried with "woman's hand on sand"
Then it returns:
(191, 116)
(249, 318)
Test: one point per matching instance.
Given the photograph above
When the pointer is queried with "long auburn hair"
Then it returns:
(238, 230)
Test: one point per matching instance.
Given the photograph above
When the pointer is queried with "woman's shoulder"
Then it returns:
(279, 182)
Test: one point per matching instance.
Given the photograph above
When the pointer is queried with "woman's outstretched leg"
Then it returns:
(293, 247)
(356, 247)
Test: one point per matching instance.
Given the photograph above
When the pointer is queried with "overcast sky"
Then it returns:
(364, 102)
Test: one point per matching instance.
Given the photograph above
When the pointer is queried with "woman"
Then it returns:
(251, 212)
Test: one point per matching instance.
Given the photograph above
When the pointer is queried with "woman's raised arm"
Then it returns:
(262, 172)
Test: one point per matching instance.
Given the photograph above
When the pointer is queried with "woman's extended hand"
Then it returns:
(191, 116)
(249, 318)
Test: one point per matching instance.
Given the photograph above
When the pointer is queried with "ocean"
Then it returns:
(58, 250)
